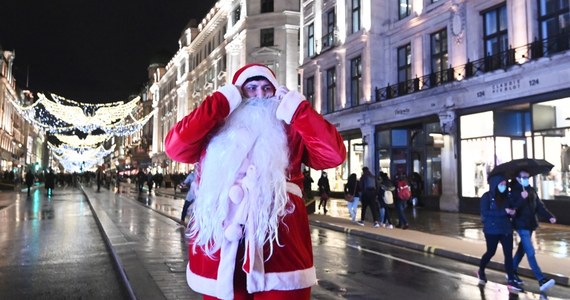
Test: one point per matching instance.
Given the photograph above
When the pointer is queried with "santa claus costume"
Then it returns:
(249, 230)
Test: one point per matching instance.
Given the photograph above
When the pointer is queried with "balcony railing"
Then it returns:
(502, 60)
(329, 40)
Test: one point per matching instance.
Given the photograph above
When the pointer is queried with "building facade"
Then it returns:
(234, 33)
(21, 145)
(444, 89)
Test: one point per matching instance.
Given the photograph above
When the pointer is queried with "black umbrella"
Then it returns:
(533, 166)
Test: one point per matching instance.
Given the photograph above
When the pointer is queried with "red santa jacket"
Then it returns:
(312, 141)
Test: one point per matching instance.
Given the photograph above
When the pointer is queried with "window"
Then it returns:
(328, 38)
(405, 63)
(266, 37)
(495, 39)
(266, 6)
(554, 22)
(310, 90)
(355, 16)
(237, 14)
(439, 57)
(355, 81)
(331, 90)
(311, 40)
(404, 8)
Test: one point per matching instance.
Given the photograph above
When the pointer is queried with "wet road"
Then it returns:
(51, 248)
(350, 267)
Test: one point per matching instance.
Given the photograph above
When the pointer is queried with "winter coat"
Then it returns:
(312, 141)
(190, 196)
(493, 214)
(527, 209)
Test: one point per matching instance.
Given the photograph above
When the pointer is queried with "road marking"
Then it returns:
(455, 275)
(460, 276)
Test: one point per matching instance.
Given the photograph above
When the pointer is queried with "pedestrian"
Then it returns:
(149, 181)
(99, 177)
(50, 182)
(352, 188)
(369, 190)
(403, 194)
(141, 179)
(496, 218)
(307, 182)
(386, 199)
(29, 180)
(528, 206)
(190, 196)
(249, 231)
(324, 191)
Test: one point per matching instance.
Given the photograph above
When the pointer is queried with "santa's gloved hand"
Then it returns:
(281, 92)
(290, 101)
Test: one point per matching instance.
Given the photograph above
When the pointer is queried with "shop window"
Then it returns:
(383, 139)
(476, 125)
(510, 123)
(399, 137)
(477, 160)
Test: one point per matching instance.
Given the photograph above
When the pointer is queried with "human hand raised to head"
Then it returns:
(510, 211)
(281, 92)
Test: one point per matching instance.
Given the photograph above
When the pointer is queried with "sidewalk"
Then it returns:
(452, 235)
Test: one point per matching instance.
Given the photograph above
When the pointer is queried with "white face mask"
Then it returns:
(502, 188)
(524, 182)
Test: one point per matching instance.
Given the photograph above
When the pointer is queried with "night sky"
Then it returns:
(92, 50)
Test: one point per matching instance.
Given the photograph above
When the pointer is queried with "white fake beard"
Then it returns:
(251, 132)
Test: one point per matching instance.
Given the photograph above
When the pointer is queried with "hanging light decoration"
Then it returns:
(65, 119)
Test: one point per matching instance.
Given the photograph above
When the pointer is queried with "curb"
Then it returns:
(560, 279)
(116, 259)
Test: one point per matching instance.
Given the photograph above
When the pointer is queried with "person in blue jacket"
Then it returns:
(497, 227)
(528, 207)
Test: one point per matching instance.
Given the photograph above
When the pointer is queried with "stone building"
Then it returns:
(445, 89)
(233, 33)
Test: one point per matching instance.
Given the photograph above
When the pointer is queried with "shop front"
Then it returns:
(353, 164)
(413, 150)
(522, 130)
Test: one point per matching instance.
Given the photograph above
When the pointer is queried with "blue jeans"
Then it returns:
(400, 206)
(353, 207)
(526, 247)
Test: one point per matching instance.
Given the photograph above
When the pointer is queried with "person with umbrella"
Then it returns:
(528, 205)
(496, 218)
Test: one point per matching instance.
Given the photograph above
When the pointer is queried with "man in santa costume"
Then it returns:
(249, 231)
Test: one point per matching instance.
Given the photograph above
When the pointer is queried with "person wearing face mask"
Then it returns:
(495, 215)
(527, 205)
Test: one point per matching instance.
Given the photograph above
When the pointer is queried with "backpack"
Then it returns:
(404, 191)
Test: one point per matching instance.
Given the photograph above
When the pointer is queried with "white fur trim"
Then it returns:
(280, 281)
(232, 94)
(199, 283)
(287, 281)
(294, 189)
(288, 106)
(254, 71)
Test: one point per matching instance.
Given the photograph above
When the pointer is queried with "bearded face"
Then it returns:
(251, 135)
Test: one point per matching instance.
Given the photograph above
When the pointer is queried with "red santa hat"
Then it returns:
(254, 70)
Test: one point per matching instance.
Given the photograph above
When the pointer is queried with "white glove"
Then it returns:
(281, 92)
